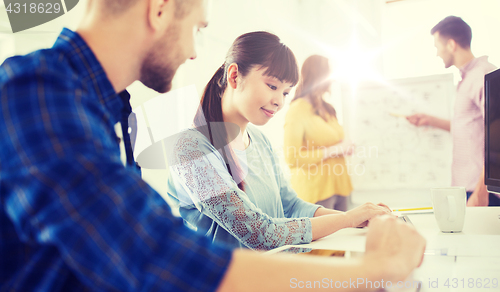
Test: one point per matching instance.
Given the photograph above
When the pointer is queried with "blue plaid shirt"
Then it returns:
(72, 218)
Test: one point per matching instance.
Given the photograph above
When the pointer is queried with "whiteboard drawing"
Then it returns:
(391, 152)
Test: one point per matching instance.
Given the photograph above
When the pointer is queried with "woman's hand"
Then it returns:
(327, 221)
(343, 148)
(361, 216)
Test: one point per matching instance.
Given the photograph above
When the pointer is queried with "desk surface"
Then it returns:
(480, 236)
(465, 261)
(482, 226)
(452, 260)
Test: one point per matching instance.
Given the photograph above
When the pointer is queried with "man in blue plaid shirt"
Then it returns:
(73, 218)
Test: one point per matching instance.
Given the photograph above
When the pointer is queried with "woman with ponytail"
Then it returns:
(314, 140)
(225, 179)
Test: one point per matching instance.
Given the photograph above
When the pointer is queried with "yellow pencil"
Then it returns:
(397, 115)
(412, 209)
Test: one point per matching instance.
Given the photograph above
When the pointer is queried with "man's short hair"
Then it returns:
(183, 7)
(117, 7)
(453, 27)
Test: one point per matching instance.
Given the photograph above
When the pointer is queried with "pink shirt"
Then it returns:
(467, 124)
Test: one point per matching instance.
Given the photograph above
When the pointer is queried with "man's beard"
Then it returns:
(155, 74)
(449, 62)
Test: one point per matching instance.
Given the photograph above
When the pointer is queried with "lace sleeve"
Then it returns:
(200, 173)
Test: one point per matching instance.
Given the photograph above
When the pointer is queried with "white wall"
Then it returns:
(406, 29)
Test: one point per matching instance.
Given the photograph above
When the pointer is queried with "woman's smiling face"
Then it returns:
(258, 97)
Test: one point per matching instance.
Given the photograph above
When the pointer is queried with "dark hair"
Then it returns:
(453, 27)
(314, 82)
(261, 49)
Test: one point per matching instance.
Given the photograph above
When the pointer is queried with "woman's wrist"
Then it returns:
(331, 151)
(321, 211)
(348, 221)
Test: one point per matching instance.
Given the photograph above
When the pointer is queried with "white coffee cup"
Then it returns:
(449, 208)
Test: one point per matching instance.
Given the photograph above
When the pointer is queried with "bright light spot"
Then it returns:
(353, 64)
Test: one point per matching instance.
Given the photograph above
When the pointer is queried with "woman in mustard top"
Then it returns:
(314, 140)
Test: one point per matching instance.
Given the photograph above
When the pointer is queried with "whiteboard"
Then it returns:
(390, 152)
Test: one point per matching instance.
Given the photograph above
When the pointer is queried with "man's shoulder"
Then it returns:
(489, 68)
(483, 66)
(44, 81)
(39, 66)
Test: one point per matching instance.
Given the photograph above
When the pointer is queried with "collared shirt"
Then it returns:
(129, 130)
(72, 218)
(467, 124)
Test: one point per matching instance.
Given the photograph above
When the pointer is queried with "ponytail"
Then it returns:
(210, 122)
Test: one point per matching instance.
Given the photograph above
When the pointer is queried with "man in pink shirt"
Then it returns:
(452, 38)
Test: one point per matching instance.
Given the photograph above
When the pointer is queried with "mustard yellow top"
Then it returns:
(306, 133)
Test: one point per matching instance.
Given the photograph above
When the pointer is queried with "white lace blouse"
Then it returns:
(267, 215)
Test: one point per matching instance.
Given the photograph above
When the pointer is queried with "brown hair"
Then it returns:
(255, 49)
(314, 82)
(453, 27)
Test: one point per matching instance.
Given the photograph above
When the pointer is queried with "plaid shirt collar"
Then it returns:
(90, 70)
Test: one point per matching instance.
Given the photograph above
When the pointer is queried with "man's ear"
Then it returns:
(232, 75)
(451, 44)
(160, 14)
